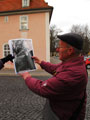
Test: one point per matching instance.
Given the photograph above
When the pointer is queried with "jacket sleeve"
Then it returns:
(62, 85)
(42, 88)
(49, 67)
(48, 88)
(1, 64)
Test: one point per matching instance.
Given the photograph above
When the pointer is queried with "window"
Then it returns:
(25, 3)
(23, 22)
(6, 18)
(6, 50)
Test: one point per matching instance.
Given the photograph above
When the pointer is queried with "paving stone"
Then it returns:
(17, 102)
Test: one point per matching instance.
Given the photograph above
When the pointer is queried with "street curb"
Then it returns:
(7, 74)
(34, 73)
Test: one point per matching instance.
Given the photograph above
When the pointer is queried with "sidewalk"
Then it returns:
(11, 72)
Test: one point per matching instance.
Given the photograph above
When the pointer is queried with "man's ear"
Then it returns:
(71, 51)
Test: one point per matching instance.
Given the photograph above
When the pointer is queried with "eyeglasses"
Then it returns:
(63, 47)
(58, 48)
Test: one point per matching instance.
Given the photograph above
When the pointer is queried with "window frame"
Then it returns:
(6, 50)
(21, 22)
(6, 19)
(25, 3)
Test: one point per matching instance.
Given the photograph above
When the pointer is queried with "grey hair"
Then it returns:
(77, 51)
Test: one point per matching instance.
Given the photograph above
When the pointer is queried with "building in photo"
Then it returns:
(25, 19)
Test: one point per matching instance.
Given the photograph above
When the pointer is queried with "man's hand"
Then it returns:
(37, 60)
(25, 75)
(7, 58)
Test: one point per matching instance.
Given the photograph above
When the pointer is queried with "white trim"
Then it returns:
(26, 12)
(47, 37)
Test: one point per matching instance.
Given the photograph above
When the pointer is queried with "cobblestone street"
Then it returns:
(88, 101)
(17, 102)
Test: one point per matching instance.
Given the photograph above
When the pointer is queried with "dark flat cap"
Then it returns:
(73, 39)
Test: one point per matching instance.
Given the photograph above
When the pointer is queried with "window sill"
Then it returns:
(23, 29)
(25, 6)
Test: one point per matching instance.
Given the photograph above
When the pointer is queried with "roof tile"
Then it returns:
(12, 5)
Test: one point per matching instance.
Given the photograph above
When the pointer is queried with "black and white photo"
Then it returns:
(22, 49)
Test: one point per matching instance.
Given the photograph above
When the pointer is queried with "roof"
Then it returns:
(15, 5)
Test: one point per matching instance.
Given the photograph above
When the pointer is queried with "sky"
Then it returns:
(69, 12)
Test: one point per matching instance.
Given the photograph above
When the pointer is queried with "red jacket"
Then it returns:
(65, 88)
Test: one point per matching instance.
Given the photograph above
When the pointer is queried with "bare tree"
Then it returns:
(53, 39)
(85, 33)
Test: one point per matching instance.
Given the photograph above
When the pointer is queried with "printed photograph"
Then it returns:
(22, 49)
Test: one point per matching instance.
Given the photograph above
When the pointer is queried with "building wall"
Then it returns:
(38, 24)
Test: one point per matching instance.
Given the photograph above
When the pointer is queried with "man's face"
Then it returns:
(63, 51)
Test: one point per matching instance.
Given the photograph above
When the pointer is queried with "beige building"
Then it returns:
(25, 19)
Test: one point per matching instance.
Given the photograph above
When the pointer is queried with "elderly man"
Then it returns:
(66, 90)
